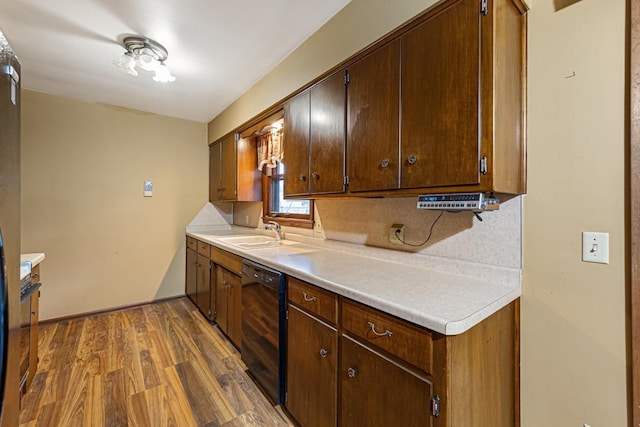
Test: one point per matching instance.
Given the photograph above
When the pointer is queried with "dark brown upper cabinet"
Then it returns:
(315, 139)
(436, 106)
(373, 114)
(440, 143)
(296, 145)
(233, 170)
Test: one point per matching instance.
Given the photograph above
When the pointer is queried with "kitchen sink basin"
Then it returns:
(256, 242)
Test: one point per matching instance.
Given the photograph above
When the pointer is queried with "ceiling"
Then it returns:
(217, 49)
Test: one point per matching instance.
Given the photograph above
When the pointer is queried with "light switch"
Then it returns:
(595, 247)
(148, 188)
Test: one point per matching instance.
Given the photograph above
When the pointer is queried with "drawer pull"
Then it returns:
(384, 163)
(352, 373)
(323, 353)
(386, 333)
(307, 299)
(412, 159)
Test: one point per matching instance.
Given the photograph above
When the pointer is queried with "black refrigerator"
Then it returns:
(9, 232)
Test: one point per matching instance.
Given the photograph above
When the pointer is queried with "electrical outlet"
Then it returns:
(396, 234)
(318, 227)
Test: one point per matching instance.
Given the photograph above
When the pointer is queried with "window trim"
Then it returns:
(290, 220)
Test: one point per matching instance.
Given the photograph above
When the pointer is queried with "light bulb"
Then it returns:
(163, 75)
(146, 61)
(126, 64)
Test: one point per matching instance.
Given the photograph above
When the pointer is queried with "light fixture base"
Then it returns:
(136, 45)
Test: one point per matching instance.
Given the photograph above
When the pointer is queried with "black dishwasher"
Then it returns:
(263, 327)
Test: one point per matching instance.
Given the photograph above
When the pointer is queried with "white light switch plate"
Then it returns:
(595, 247)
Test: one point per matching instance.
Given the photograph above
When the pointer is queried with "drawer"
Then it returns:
(192, 243)
(313, 299)
(398, 337)
(230, 261)
(204, 249)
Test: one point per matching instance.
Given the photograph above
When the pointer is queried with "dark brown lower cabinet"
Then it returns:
(190, 282)
(203, 286)
(228, 304)
(311, 370)
(379, 392)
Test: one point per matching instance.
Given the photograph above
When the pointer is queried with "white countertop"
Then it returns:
(443, 302)
(28, 261)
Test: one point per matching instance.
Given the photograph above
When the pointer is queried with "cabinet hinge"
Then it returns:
(347, 78)
(346, 180)
(484, 7)
(435, 406)
(209, 314)
(483, 166)
(286, 397)
(210, 266)
(286, 315)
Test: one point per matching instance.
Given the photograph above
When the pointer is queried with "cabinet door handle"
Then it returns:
(307, 299)
(386, 333)
(323, 353)
(351, 372)
(384, 163)
(412, 159)
(315, 175)
(302, 178)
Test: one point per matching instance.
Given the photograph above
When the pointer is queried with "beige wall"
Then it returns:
(82, 201)
(573, 313)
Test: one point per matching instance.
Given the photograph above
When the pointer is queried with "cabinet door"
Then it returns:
(190, 282)
(311, 370)
(296, 145)
(327, 135)
(203, 285)
(248, 176)
(440, 99)
(373, 104)
(234, 307)
(376, 392)
(215, 172)
(222, 291)
(229, 169)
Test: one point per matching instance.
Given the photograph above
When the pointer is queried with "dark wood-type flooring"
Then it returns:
(156, 365)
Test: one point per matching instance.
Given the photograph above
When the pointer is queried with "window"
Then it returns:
(291, 212)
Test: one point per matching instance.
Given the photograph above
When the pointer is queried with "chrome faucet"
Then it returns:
(274, 226)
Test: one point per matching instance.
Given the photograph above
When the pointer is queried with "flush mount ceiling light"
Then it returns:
(146, 54)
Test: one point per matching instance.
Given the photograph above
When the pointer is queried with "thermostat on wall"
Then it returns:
(148, 188)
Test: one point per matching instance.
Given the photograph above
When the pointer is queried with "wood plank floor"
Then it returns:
(161, 364)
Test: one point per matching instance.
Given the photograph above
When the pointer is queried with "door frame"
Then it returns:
(633, 200)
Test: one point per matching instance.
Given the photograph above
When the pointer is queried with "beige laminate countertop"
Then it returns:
(443, 302)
